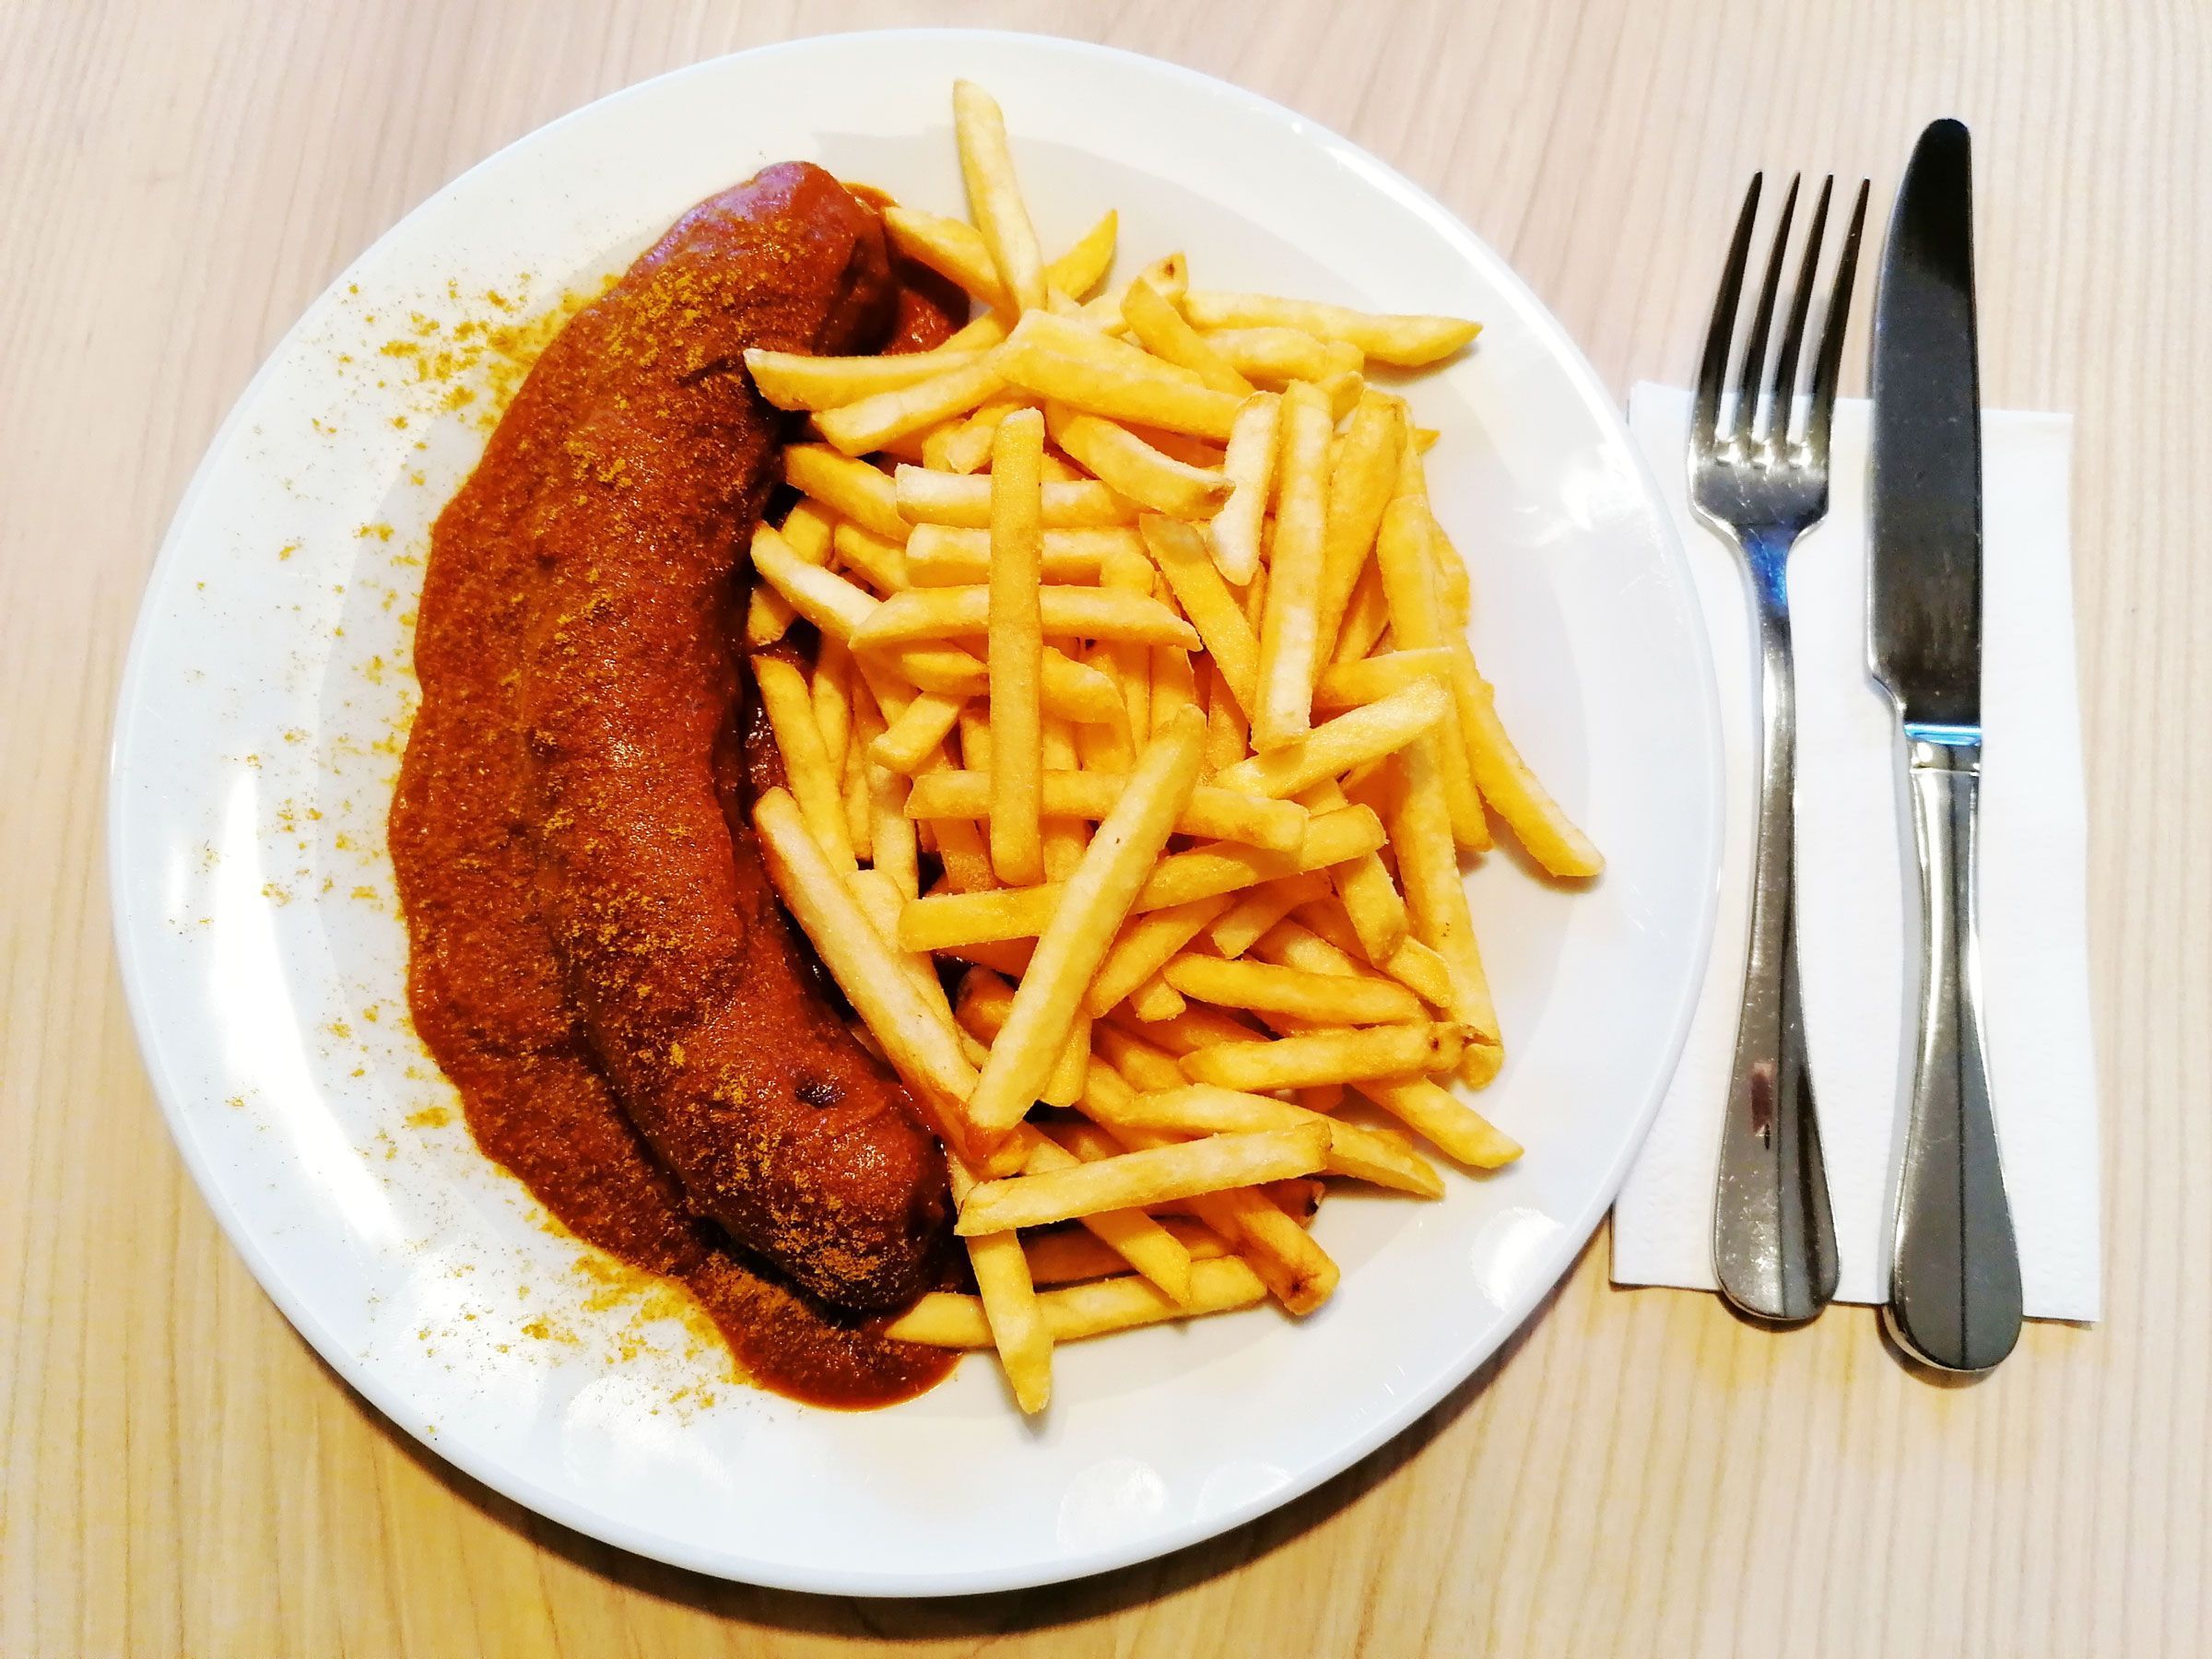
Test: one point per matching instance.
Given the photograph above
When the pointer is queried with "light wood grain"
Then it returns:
(1637, 1471)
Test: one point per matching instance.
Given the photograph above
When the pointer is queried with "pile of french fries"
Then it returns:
(1135, 619)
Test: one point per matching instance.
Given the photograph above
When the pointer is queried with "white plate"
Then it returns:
(255, 749)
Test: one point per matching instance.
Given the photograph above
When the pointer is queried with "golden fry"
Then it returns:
(793, 379)
(943, 922)
(1542, 827)
(1074, 940)
(1233, 537)
(993, 196)
(924, 614)
(929, 498)
(944, 556)
(1262, 908)
(1219, 814)
(908, 743)
(817, 785)
(1324, 1054)
(1270, 987)
(1406, 342)
(1289, 637)
(1079, 270)
(1119, 391)
(1336, 746)
(768, 615)
(1362, 477)
(860, 428)
(1144, 945)
(1136, 470)
(1436, 900)
(1371, 679)
(1156, 323)
(1361, 1153)
(924, 1050)
(846, 486)
(1016, 650)
(1181, 555)
(1276, 357)
(1136, 1179)
(1455, 1128)
(882, 563)
(947, 1319)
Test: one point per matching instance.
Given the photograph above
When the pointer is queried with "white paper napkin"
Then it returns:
(1856, 875)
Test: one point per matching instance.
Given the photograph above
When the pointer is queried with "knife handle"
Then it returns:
(1773, 1241)
(1955, 1270)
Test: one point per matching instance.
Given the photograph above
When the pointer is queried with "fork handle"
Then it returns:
(1954, 1268)
(1773, 1239)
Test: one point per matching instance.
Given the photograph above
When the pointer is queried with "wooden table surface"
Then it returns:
(1637, 1471)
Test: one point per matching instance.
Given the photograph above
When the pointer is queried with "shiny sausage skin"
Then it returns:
(774, 1120)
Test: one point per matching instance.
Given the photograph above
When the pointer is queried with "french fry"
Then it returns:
(1241, 925)
(768, 615)
(882, 563)
(878, 898)
(851, 488)
(866, 724)
(1218, 814)
(987, 166)
(1366, 620)
(1071, 337)
(1361, 1153)
(920, 615)
(1406, 342)
(1290, 629)
(953, 249)
(1271, 987)
(1126, 1236)
(793, 379)
(1452, 1126)
(1072, 943)
(839, 607)
(1131, 665)
(947, 1319)
(831, 690)
(924, 1050)
(817, 787)
(1233, 535)
(1076, 691)
(1066, 1258)
(891, 833)
(980, 333)
(1136, 1179)
(1136, 470)
(1340, 1055)
(1413, 964)
(1408, 576)
(1371, 898)
(1017, 1324)
(945, 921)
(1371, 679)
(944, 556)
(1362, 478)
(1180, 553)
(1336, 746)
(1154, 320)
(1065, 835)
(1156, 1000)
(968, 446)
(1436, 900)
(908, 743)
(873, 422)
(1079, 270)
(1016, 650)
(1145, 1064)
(1170, 274)
(1227, 735)
(1276, 357)
(1119, 391)
(1536, 820)
(929, 498)
(1144, 945)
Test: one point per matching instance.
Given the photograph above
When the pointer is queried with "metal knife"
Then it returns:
(1955, 1271)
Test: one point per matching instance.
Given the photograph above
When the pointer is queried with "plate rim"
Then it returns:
(1562, 1247)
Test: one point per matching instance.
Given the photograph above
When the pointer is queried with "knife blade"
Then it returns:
(1954, 1265)
(1925, 582)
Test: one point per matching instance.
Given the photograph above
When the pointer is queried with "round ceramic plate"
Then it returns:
(265, 703)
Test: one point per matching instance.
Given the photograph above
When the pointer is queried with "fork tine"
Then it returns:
(1755, 347)
(1713, 369)
(1830, 362)
(1793, 334)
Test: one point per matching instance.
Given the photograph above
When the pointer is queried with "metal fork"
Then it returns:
(1760, 488)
